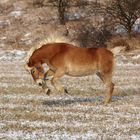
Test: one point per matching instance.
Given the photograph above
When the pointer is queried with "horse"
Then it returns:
(68, 59)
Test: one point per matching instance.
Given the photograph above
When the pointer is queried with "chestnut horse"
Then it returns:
(67, 59)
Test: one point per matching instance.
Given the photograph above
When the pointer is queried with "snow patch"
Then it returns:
(127, 64)
(16, 13)
(3, 38)
(4, 23)
(27, 34)
(136, 57)
(12, 55)
(55, 135)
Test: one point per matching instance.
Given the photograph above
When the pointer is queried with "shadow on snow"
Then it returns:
(65, 100)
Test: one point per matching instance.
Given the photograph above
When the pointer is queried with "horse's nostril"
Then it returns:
(40, 84)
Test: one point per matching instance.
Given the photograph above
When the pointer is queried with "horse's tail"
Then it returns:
(118, 50)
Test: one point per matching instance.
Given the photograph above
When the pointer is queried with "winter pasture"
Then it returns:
(27, 113)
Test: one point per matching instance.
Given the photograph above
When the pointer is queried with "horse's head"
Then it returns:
(37, 73)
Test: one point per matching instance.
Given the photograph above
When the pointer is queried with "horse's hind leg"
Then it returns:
(55, 80)
(107, 79)
(109, 88)
(100, 76)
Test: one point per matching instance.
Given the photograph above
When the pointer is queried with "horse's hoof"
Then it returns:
(66, 91)
(106, 102)
(47, 91)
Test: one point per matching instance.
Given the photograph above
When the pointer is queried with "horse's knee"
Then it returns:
(49, 73)
(56, 84)
(53, 81)
(112, 85)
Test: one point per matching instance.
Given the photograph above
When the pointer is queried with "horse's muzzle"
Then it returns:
(39, 82)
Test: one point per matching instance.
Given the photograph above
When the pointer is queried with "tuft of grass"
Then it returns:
(127, 42)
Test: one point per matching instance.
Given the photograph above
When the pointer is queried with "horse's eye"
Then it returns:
(33, 71)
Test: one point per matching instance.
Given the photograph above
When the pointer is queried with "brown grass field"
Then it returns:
(27, 113)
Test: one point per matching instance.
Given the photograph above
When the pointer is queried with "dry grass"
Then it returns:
(129, 43)
(27, 113)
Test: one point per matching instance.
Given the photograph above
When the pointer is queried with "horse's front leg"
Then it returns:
(46, 88)
(55, 81)
(47, 76)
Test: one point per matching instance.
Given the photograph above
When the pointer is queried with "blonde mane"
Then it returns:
(53, 38)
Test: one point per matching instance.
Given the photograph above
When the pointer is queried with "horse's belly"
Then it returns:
(81, 71)
(79, 74)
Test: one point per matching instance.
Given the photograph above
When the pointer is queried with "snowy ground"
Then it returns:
(27, 113)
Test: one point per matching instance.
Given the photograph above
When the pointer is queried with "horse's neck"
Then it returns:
(34, 59)
(40, 55)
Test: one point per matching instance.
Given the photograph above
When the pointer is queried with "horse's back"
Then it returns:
(81, 61)
(72, 55)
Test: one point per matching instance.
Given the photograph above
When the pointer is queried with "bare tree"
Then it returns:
(124, 12)
(62, 6)
(38, 3)
(90, 36)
